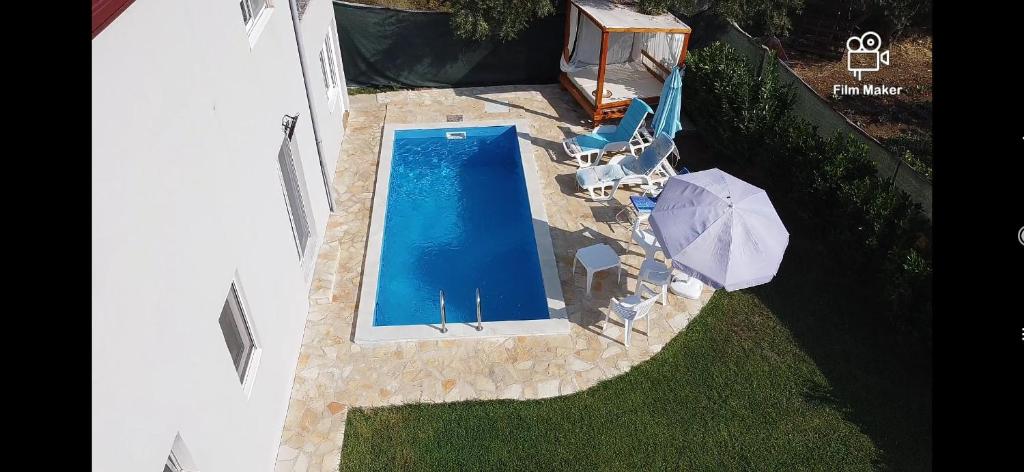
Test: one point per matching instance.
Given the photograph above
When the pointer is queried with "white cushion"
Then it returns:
(603, 175)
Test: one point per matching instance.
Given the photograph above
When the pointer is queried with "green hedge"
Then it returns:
(915, 148)
(829, 181)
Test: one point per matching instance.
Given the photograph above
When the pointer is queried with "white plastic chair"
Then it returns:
(631, 309)
(654, 272)
(646, 240)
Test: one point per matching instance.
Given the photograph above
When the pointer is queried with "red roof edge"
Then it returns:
(104, 12)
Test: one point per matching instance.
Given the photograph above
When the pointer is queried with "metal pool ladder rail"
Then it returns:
(479, 318)
(444, 327)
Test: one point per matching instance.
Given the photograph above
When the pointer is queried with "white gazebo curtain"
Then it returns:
(585, 45)
(663, 47)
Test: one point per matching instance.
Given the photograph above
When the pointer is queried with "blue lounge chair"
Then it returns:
(647, 169)
(629, 134)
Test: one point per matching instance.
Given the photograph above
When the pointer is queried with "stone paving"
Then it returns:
(333, 374)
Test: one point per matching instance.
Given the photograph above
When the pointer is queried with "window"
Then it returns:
(174, 464)
(238, 334)
(251, 11)
(294, 193)
(255, 14)
(329, 68)
(179, 460)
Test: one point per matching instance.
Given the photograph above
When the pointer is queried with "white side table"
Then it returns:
(595, 258)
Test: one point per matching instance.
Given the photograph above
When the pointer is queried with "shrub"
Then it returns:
(794, 147)
(910, 290)
(830, 180)
(502, 19)
(755, 110)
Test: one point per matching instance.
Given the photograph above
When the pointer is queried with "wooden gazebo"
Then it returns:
(614, 53)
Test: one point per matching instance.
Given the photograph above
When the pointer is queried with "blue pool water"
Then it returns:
(458, 218)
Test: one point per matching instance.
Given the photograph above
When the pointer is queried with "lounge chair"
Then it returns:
(629, 134)
(649, 168)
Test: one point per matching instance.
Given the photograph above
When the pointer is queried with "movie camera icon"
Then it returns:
(862, 54)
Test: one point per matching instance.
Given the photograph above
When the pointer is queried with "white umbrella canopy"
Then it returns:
(719, 229)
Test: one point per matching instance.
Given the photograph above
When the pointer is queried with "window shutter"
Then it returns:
(286, 159)
(323, 69)
(236, 332)
(232, 337)
(245, 12)
(331, 67)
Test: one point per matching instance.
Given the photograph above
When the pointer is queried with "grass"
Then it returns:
(798, 374)
(415, 5)
(374, 89)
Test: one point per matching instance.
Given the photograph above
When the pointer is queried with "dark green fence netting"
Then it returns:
(385, 47)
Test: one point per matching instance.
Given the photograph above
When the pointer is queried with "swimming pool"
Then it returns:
(458, 208)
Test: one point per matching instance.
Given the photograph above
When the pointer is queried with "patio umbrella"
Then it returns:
(666, 117)
(719, 229)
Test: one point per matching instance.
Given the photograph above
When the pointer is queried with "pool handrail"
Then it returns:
(479, 317)
(444, 327)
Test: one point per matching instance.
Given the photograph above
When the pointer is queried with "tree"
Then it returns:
(503, 19)
(761, 17)
(893, 17)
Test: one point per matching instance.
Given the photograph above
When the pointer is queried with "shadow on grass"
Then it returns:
(879, 378)
(881, 381)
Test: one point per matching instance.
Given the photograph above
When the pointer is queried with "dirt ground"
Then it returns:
(883, 117)
(903, 122)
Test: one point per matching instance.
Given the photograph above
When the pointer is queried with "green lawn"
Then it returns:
(798, 374)
(373, 90)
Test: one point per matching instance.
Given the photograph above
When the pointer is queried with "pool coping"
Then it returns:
(556, 324)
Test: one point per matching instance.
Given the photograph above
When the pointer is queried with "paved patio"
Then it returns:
(333, 374)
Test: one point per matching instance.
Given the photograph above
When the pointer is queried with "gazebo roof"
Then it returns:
(613, 16)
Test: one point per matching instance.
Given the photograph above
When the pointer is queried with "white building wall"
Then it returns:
(314, 28)
(186, 127)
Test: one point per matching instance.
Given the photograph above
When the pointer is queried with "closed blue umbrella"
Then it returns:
(666, 118)
(719, 229)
